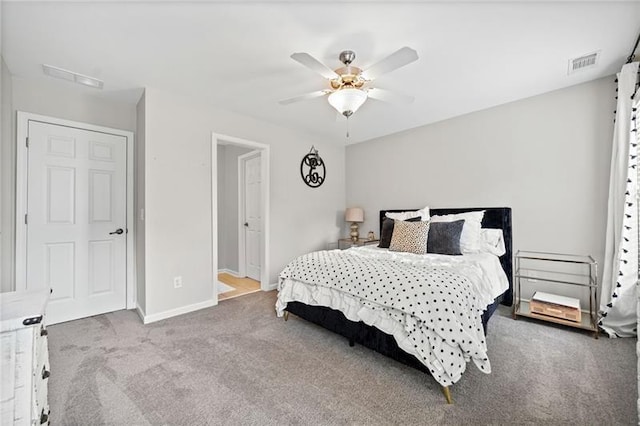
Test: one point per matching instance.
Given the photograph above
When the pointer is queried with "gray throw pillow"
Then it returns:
(444, 237)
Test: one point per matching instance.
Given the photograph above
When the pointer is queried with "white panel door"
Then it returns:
(252, 211)
(76, 230)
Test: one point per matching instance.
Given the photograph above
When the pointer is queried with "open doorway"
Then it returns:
(240, 186)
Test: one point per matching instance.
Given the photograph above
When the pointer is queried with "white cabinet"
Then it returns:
(24, 359)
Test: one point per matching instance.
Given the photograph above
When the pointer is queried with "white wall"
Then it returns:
(7, 180)
(547, 157)
(228, 205)
(61, 99)
(173, 184)
(178, 196)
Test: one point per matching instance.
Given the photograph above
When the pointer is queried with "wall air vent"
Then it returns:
(583, 62)
(72, 76)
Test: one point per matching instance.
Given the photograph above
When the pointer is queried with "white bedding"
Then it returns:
(339, 280)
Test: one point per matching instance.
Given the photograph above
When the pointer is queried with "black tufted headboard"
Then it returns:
(494, 217)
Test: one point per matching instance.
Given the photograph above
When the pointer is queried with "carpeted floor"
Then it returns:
(238, 364)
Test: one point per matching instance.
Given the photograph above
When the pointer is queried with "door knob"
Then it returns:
(246, 224)
(117, 231)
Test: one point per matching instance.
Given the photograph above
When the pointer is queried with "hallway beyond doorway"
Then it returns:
(241, 286)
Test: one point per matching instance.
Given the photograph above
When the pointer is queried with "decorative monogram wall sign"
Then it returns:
(312, 169)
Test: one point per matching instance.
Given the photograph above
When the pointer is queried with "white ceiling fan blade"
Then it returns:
(389, 96)
(398, 59)
(304, 97)
(315, 65)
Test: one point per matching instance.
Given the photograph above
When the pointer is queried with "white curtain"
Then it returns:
(618, 305)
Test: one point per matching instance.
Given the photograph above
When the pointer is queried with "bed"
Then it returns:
(392, 327)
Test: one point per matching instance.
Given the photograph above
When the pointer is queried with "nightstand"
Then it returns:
(345, 243)
(554, 271)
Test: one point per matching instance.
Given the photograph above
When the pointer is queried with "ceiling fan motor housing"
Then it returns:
(348, 77)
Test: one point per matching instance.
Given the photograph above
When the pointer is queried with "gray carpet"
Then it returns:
(238, 364)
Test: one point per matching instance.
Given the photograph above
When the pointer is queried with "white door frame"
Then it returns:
(265, 170)
(22, 130)
(242, 249)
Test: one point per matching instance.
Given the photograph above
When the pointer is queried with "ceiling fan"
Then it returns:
(349, 85)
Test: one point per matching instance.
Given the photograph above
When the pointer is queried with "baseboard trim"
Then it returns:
(271, 286)
(178, 311)
(230, 272)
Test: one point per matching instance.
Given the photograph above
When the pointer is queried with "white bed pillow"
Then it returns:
(423, 213)
(492, 241)
(470, 237)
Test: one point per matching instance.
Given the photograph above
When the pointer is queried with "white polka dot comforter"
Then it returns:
(431, 304)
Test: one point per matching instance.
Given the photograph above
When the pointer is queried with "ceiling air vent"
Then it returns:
(583, 62)
(72, 76)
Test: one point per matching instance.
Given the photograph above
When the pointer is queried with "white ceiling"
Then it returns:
(235, 55)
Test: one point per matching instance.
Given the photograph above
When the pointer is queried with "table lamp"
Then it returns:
(354, 215)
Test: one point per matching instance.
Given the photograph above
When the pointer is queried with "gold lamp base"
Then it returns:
(354, 232)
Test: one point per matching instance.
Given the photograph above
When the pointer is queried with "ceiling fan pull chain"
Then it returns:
(347, 126)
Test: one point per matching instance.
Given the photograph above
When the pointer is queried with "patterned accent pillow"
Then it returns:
(387, 230)
(409, 237)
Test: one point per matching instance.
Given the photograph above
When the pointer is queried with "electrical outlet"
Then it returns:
(177, 282)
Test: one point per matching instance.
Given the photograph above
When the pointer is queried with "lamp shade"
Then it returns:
(354, 214)
(347, 101)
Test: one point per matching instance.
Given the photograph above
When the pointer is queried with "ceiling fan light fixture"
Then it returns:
(347, 100)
